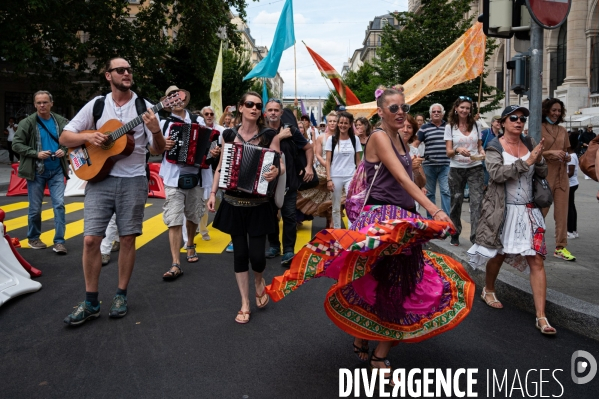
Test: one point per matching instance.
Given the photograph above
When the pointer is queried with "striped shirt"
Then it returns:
(433, 138)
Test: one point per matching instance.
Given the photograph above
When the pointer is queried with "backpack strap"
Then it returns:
(98, 110)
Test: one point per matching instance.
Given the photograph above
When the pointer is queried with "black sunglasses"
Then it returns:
(251, 104)
(208, 113)
(395, 108)
(514, 118)
(466, 98)
(121, 70)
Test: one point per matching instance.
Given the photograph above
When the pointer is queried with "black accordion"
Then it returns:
(243, 168)
(192, 142)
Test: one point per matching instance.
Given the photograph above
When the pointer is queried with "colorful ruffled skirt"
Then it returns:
(375, 265)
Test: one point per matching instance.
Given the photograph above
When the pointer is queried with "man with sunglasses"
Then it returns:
(123, 192)
(436, 164)
(290, 146)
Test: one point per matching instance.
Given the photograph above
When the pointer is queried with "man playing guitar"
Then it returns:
(123, 192)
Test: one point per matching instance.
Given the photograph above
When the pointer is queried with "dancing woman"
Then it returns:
(247, 218)
(387, 288)
(511, 226)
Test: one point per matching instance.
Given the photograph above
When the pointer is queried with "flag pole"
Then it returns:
(295, 69)
(480, 91)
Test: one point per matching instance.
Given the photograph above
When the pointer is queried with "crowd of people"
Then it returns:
(384, 278)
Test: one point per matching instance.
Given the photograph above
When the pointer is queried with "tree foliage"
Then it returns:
(425, 35)
(61, 45)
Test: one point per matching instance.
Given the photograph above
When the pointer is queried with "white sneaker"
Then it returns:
(575, 234)
(571, 235)
(586, 177)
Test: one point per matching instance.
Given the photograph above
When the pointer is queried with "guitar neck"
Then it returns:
(132, 123)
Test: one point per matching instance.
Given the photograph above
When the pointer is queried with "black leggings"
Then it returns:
(253, 253)
(572, 214)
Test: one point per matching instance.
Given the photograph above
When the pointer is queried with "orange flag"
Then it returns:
(330, 73)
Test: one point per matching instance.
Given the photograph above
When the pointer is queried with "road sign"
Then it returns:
(549, 14)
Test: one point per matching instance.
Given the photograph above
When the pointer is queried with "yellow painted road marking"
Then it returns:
(217, 244)
(304, 235)
(152, 228)
(17, 223)
(16, 206)
(71, 230)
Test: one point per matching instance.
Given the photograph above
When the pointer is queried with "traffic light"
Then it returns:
(520, 77)
(497, 18)
(521, 18)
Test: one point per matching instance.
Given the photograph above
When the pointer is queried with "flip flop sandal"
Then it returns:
(194, 255)
(361, 349)
(243, 319)
(260, 301)
(170, 275)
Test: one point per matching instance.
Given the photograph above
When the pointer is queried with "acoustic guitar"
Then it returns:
(93, 163)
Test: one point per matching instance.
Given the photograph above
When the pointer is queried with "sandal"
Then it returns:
(358, 350)
(387, 363)
(491, 302)
(192, 256)
(260, 301)
(243, 317)
(173, 274)
(547, 329)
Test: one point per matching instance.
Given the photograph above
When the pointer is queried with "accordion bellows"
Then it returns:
(243, 168)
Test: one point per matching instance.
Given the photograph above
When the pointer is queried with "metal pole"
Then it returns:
(536, 81)
(507, 83)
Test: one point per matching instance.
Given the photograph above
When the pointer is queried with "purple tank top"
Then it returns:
(386, 190)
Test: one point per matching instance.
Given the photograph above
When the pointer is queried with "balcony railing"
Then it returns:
(594, 100)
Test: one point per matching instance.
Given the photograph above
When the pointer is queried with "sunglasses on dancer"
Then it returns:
(251, 104)
(121, 70)
(514, 118)
(395, 108)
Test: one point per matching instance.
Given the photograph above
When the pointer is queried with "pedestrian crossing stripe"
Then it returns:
(152, 229)
(71, 229)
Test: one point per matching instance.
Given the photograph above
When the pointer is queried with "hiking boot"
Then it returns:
(455, 241)
(36, 243)
(229, 248)
(84, 311)
(272, 252)
(287, 258)
(564, 254)
(115, 246)
(118, 308)
(105, 259)
(60, 249)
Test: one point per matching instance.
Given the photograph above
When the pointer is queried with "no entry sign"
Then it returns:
(550, 14)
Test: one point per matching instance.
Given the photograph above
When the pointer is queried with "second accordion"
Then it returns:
(192, 142)
(243, 168)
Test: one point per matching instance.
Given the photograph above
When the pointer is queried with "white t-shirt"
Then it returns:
(469, 142)
(344, 159)
(170, 172)
(11, 132)
(574, 161)
(134, 164)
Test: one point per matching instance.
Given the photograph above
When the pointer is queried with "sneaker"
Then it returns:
(37, 244)
(115, 246)
(206, 237)
(84, 311)
(564, 254)
(272, 252)
(229, 248)
(119, 306)
(105, 259)
(60, 249)
(287, 258)
(455, 241)
(575, 234)
(571, 235)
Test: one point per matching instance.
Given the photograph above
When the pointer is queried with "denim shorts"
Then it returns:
(124, 196)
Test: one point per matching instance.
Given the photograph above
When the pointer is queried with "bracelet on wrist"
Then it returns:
(435, 214)
(158, 132)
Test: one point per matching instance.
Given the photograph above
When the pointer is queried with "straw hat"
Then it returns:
(590, 125)
(173, 89)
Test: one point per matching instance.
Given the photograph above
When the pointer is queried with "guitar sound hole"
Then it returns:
(109, 143)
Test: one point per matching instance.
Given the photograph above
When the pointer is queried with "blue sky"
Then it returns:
(334, 29)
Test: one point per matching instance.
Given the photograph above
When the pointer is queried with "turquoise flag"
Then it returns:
(284, 38)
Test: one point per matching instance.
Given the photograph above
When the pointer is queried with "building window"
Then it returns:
(595, 64)
(561, 54)
(384, 22)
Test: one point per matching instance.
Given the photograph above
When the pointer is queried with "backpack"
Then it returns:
(353, 143)
(587, 160)
(98, 110)
(359, 190)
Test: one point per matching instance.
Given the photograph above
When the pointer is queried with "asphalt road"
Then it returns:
(179, 339)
